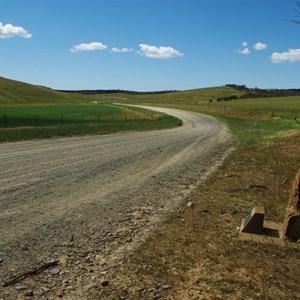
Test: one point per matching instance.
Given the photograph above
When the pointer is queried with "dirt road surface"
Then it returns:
(95, 197)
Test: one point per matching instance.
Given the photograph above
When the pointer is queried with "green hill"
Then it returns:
(19, 93)
(15, 93)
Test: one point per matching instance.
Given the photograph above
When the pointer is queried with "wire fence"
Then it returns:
(7, 121)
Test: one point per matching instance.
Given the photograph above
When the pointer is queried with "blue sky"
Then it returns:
(150, 44)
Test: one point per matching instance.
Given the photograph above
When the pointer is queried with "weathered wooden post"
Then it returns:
(291, 223)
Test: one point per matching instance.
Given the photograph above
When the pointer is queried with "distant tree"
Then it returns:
(297, 20)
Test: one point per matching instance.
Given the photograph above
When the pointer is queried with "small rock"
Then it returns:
(189, 204)
(45, 289)
(63, 260)
(28, 293)
(55, 271)
(20, 287)
(166, 287)
(24, 248)
(203, 208)
(104, 283)
(59, 293)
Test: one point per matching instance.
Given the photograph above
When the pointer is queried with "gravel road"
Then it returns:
(76, 191)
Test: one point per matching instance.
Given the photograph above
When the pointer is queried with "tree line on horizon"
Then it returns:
(116, 91)
(261, 93)
(249, 93)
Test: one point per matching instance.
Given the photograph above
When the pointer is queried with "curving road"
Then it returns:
(58, 189)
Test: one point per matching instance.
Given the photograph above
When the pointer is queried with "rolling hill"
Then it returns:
(19, 93)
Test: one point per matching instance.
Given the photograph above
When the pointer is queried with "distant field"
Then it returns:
(282, 107)
(197, 95)
(250, 119)
(261, 108)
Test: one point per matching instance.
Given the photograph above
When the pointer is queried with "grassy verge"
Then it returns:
(196, 254)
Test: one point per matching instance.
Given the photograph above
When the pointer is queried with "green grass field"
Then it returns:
(55, 115)
(32, 122)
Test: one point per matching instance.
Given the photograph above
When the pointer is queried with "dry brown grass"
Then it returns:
(198, 252)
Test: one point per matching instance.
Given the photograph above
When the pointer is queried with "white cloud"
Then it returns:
(88, 47)
(121, 50)
(293, 55)
(159, 52)
(245, 44)
(8, 31)
(260, 46)
(245, 51)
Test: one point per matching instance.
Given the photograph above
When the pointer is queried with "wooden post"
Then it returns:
(291, 223)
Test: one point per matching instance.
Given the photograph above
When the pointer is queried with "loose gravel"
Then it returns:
(88, 201)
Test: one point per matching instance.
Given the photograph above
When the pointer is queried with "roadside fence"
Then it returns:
(7, 121)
